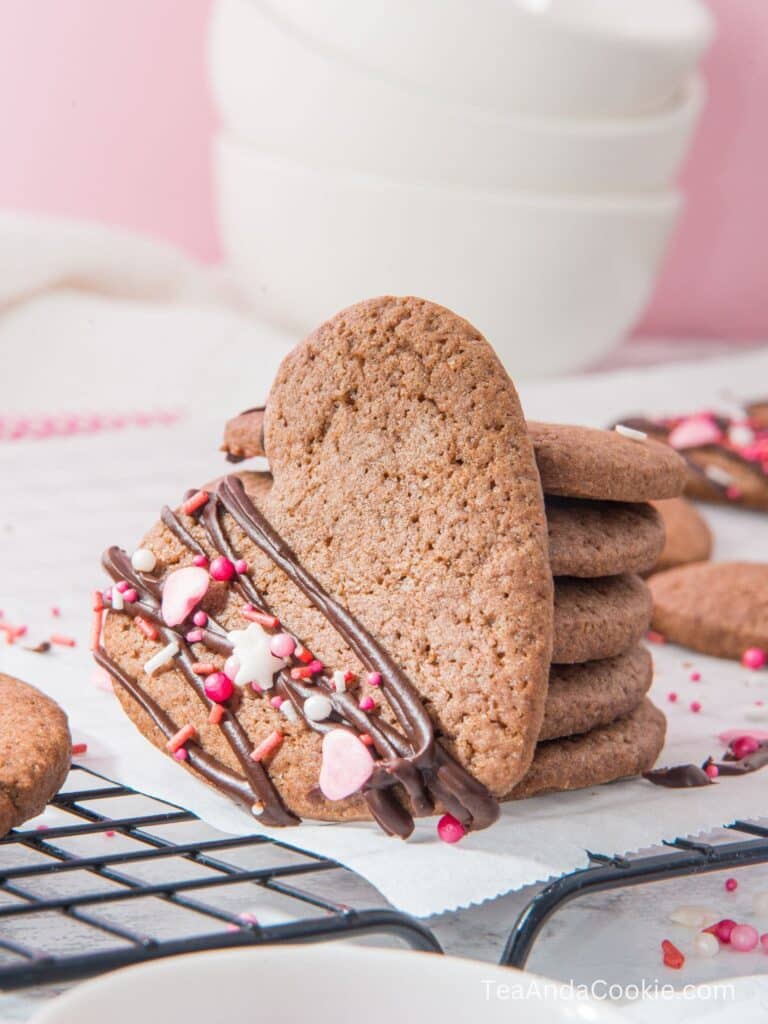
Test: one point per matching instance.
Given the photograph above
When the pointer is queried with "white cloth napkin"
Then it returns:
(66, 499)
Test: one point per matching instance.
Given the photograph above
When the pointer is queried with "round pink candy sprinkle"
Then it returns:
(712, 771)
(374, 678)
(744, 746)
(450, 829)
(754, 657)
(200, 619)
(695, 706)
(222, 569)
(194, 636)
(764, 941)
(241, 566)
(130, 595)
(672, 697)
(180, 754)
(276, 702)
(122, 586)
(695, 677)
(744, 938)
(219, 687)
(367, 704)
(731, 885)
(200, 561)
(282, 645)
(722, 929)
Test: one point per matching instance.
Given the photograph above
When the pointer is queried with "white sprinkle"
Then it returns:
(289, 711)
(143, 560)
(706, 945)
(740, 435)
(162, 657)
(339, 682)
(257, 810)
(718, 475)
(317, 708)
(692, 916)
(630, 432)
(118, 602)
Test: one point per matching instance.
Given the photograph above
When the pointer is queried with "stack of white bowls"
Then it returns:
(512, 159)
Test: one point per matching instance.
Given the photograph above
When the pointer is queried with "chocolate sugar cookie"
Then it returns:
(35, 751)
(372, 636)
(582, 697)
(596, 619)
(718, 608)
(687, 538)
(576, 462)
(625, 748)
(602, 538)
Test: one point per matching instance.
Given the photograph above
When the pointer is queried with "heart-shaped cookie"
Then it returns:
(393, 583)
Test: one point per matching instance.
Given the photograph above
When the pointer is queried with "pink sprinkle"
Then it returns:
(671, 696)
(655, 638)
(200, 619)
(315, 667)
(222, 569)
(731, 885)
(744, 746)
(122, 586)
(42, 828)
(744, 938)
(753, 657)
(759, 703)
(764, 941)
(256, 688)
(276, 702)
(734, 493)
(729, 735)
(187, 732)
(241, 566)
(59, 639)
(695, 677)
(195, 502)
(722, 929)
(181, 754)
(712, 771)
(450, 829)
(367, 704)
(374, 678)
(695, 706)
(55, 611)
(130, 595)
(194, 636)
(695, 431)
(282, 645)
(219, 688)
(200, 561)
(109, 833)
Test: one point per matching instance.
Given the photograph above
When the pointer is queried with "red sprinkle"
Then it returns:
(98, 601)
(149, 629)
(193, 503)
(722, 929)
(450, 829)
(303, 672)
(304, 655)
(79, 748)
(96, 630)
(267, 746)
(203, 668)
(744, 746)
(216, 714)
(672, 956)
(731, 885)
(655, 638)
(187, 732)
(63, 641)
(268, 621)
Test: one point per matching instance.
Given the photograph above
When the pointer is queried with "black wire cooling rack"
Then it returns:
(73, 893)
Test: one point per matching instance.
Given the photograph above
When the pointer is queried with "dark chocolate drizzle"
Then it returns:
(681, 776)
(751, 763)
(410, 756)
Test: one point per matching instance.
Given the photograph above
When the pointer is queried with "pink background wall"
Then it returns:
(105, 114)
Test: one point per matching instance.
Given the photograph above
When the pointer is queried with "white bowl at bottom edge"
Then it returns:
(320, 984)
(554, 282)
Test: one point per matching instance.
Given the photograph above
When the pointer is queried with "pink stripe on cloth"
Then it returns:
(42, 427)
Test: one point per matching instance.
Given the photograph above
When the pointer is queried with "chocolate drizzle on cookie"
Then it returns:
(408, 756)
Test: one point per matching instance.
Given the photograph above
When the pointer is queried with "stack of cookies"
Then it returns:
(368, 631)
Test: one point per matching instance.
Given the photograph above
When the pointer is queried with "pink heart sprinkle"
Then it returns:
(183, 589)
(695, 431)
(347, 765)
(730, 735)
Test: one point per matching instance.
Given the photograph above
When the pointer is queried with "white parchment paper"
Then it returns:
(65, 500)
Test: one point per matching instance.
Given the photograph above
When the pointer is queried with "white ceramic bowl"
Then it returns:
(333, 984)
(553, 282)
(297, 103)
(561, 57)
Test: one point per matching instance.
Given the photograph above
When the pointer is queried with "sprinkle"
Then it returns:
(744, 938)
(110, 832)
(117, 600)
(366, 738)
(339, 682)
(450, 829)
(95, 640)
(257, 809)
(219, 688)
(374, 678)
(734, 493)
(149, 629)
(282, 646)
(671, 696)
(695, 706)
(200, 561)
(185, 733)
(706, 945)
(630, 432)
(743, 746)
(287, 709)
(304, 655)
(655, 638)
(216, 714)
(143, 560)
(764, 941)
(691, 916)
(350, 677)
(161, 658)
(303, 672)
(718, 475)
(97, 603)
(241, 566)
(754, 657)
(712, 771)
(695, 677)
(367, 704)
(181, 754)
(317, 708)
(121, 586)
(276, 702)
(722, 929)
(221, 569)
(672, 955)
(200, 618)
(79, 748)
(194, 636)
(263, 619)
(731, 885)
(63, 641)
(203, 668)
(130, 595)
(56, 611)
(267, 746)
(315, 666)
(193, 503)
